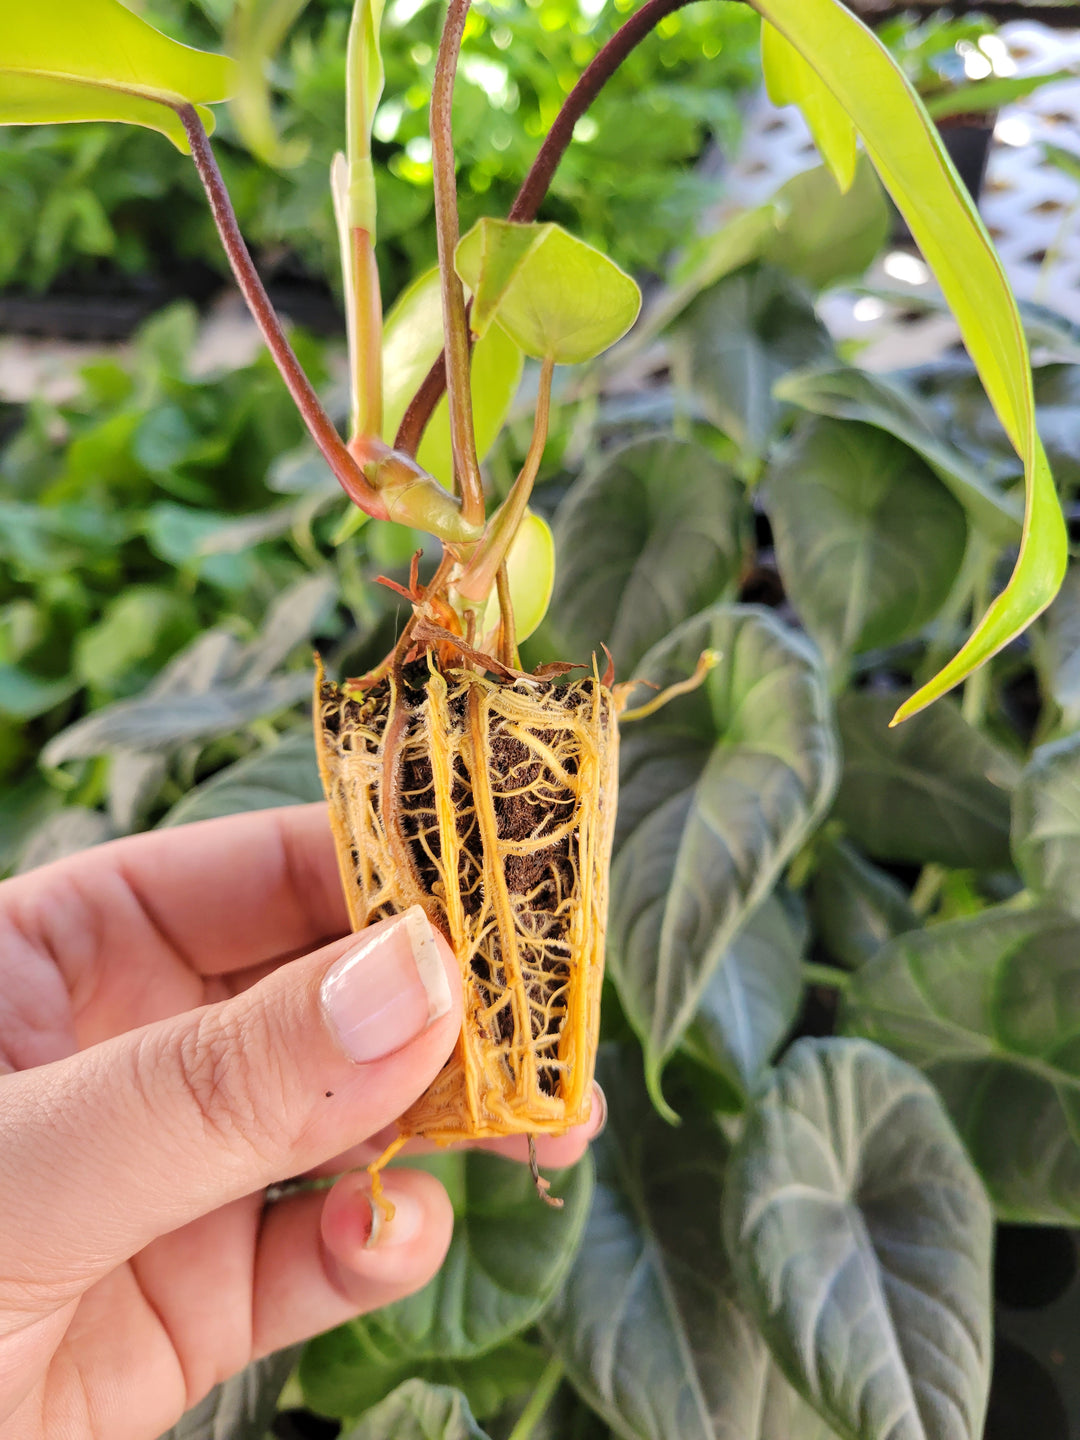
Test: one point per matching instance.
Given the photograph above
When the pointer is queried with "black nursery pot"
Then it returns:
(967, 138)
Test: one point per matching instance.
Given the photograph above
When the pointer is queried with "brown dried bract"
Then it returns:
(491, 803)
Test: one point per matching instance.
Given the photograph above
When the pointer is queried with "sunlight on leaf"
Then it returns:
(64, 60)
(789, 80)
(531, 571)
(256, 30)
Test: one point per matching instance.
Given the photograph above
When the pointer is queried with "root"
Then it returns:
(543, 1187)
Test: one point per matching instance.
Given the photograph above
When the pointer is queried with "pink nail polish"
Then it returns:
(387, 989)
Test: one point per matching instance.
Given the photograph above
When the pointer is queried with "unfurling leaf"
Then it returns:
(555, 296)
(63, 60)
(791, 81)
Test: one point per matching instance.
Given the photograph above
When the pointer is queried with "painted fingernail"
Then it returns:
(599, 1112)
(405, 1225)
(387, 989)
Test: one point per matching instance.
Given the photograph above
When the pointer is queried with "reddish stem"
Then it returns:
(535, 185)
(326, 437)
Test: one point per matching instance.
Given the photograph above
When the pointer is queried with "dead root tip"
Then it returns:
(543, 1186)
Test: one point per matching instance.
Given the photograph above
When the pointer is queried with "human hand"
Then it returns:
(160, 1066)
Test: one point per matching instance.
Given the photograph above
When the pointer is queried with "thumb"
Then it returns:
(104, 1151)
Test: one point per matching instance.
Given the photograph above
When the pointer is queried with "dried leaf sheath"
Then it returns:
(492, 805)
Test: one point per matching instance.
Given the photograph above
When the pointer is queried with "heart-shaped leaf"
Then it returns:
(989, 1008)
(868, 540)
(412, 340)
(861, 1237)
(789, 80)
(856, 907)
(419, 1411)
(555, 296)
(1046, 823)
(931, 790)
(508, 1256)
(753, 995)
(64, 60)
(648, 1323)
(828, 235)
(656, 533)
(718, 790)
(845, 393)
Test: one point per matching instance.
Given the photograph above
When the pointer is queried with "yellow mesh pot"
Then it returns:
(492, 805)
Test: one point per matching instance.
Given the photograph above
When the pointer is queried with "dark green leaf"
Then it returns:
(64, 833)
(855, 906)
(648, 1323)
(868, 539)
(752, 998)
(656, 533)
(989, 1008)
(861, 1242)
(827, 235)
(1046, 823)
(242, 1408)
(718, 790)
(23, 807)
(1057, 649)
(735, 341)
(343, 1374)
(287, 774)
(933, 789)
(508, 1256)
(845, 393)
(418, 1411)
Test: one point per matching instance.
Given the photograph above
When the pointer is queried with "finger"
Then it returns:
(552, 1151)
(149, 1131)
(317, 1266)
(130, 923)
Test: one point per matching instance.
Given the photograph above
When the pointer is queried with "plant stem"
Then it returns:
(931, 878)
(827, 975)
(319, 424)
(455, 323)
(366, 330)
(507, 629)
(539, 1400)
(535, 185)
(482, 569)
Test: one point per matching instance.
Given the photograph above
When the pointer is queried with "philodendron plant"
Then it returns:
(836, 1280)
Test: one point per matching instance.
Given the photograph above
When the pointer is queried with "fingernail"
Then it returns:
(387, 989)
(600, 1111)
(408, 1218)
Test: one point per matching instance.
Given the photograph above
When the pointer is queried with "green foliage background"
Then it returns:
(843, 957)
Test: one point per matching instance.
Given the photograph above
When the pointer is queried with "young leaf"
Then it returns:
(64, 60)
(911, 159)
(718, 790)
(638, 553)
(1046, 823)
(860, 1238)
(418, 1411)
(935, 790)
(868, 540)
(256, 30)
(555, 296)
(989, 1008)
(789, 80)
(648, 1323)
(530, 568)
(846, 393)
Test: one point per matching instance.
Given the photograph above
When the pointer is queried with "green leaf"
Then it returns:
(508, 1256)
(868, 540)
(735, 341)
(718, 789)
(1046, 823)
(753, 996)
(64, 833)
(419, 1411)
(1057, 650)
(412, 340)
(24, 695)
(828, 235)
(530, 568)
(344, 1375)
(64, 60)
(648, 1323)
(845, 393)
(984, 96)
(911, 159)
(555, 296)
(935, 790)
(286, 774)
(144, 625)
(855, 906)
(789, 80)
(861, 1241)
(241, 1408)
(256, 31)
(988, 1007)
(654, 534)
